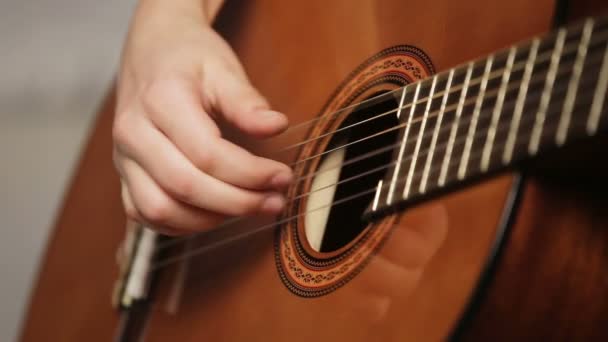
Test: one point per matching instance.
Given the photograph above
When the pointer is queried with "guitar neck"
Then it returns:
(491, 113)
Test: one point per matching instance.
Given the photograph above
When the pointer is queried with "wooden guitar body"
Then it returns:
(519, 256)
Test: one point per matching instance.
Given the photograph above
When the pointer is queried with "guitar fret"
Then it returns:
(487, 150)
(389, 198)
(472, 117)
(546, 96)
(519, 103)
(599, 96)
(429, 159)
(401, 102)
(473, 126)
(377, 195)
(459, 108)
(566, 116)
(408, 182)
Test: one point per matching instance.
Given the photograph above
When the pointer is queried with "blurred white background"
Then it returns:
(56, 61)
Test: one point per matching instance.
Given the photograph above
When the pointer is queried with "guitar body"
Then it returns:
(510, 258)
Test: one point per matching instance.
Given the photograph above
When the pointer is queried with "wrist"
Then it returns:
(163, 12)
(204, 11)
(157, 23)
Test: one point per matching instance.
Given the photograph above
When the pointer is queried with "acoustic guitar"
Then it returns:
(451, 184)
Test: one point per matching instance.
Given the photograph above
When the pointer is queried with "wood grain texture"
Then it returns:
(71, 300)
(551, 281)
(297, 53)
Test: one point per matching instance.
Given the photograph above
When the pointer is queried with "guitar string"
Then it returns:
(370, 154)
(575, 28)
(231, 221)
(407, 159)
(422, 101)
(469, 100)
(475, 156)
(534, 81)
(190, 254)
(543, 57)
(567, 49)
(557, 91)
(198, 251)
(489, 95)
(538, 60)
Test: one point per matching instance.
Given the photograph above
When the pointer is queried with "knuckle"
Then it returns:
(121, 130)
(156, 92)
(182, 187)
(156, 210)
(151, 93)
(132, 213)
(249, 205)
(204, 160)
(255, 99)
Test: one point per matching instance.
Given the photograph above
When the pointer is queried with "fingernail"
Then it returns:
(272, 115)
(281, 180)
(273, 204)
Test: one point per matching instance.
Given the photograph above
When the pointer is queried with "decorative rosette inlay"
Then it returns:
(304, 271)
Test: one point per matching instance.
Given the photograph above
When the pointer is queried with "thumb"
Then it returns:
(243, 106)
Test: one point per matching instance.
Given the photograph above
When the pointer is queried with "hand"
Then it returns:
(178, 174)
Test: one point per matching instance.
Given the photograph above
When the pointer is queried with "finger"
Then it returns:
(243, 106)
(130, 210)
(177, 176)
(179, 115)
(134, 214)
(156, 209)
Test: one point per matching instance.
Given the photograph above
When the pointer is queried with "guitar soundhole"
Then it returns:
(337, 225)
(329, 243)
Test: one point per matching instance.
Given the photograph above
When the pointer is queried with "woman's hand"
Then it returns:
(178, 174)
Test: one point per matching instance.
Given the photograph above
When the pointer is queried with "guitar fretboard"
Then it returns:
(491, 113)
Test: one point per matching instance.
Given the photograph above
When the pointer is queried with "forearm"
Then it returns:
(156, 25)
(203, 11)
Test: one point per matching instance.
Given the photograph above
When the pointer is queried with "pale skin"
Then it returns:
(178, 174)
